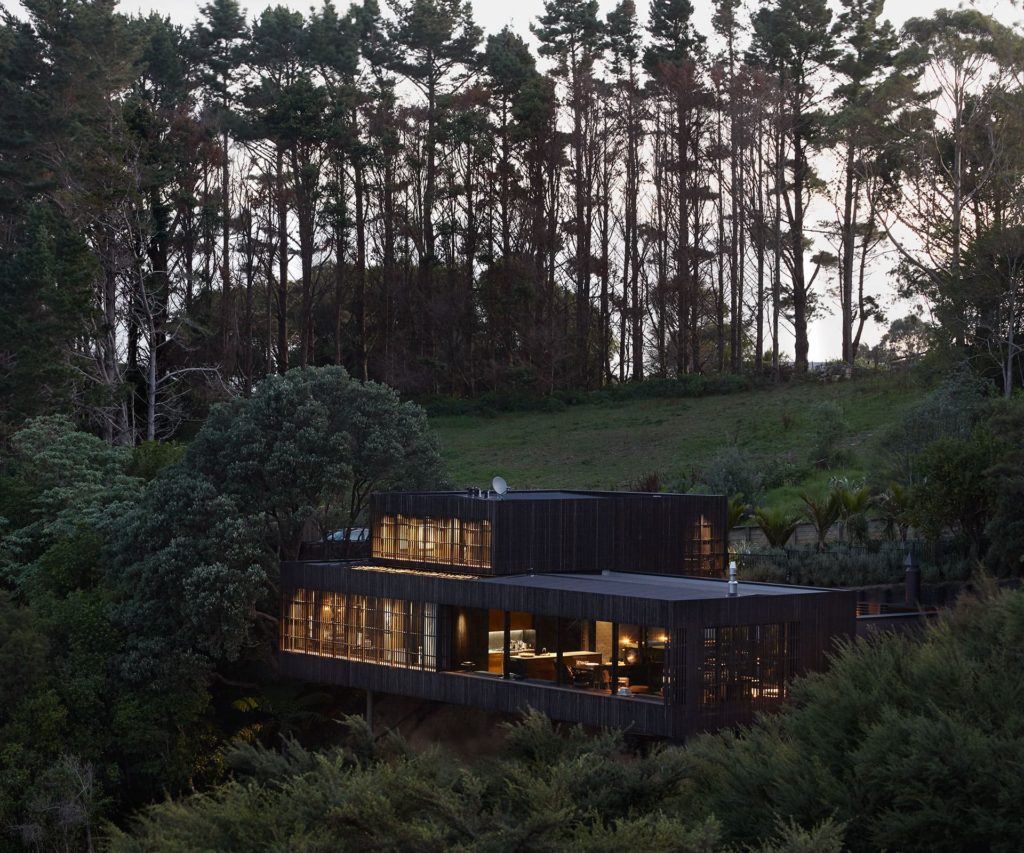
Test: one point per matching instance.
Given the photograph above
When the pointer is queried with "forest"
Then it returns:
(243, 261)
(185, 210)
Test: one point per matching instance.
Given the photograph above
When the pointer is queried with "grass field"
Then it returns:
(607, 446)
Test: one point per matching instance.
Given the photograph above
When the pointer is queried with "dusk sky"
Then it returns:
(494, 14)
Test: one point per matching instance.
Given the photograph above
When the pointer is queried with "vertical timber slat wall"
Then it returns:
(630, 532)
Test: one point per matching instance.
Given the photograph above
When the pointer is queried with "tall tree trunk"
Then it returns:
(303, 181)
(228, 331)
(428, 260)
(683, 288)
(340, 257)
(780, 183)
(631, 254)
(604, 226)
(846, 266)
(736, 234)
(581, 226)
(760, 248)
(721, 252)
(282, 260)
(359, 294)
(796, 235)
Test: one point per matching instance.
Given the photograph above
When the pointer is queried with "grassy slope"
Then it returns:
(608, 446)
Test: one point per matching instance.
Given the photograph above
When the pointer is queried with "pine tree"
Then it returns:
(794, 40)
(218, 38)
(624, 46)
(673, 61)
(435, 49)
(570, 34)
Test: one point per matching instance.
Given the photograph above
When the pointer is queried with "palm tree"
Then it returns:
(822, 514)
(894, 504)
(853, 510)
(776, 525)
(738, 510)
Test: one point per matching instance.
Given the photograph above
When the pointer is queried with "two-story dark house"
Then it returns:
(604, 608)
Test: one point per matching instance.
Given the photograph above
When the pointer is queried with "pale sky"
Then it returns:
(492, 15)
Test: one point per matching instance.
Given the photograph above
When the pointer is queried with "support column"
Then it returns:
(506, 652)
(369, 710)
(559, 668)
(615, 658)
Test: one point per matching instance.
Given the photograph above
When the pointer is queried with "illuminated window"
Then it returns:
(704, 550)
(441, 541)
(386, 631)
(751, 664)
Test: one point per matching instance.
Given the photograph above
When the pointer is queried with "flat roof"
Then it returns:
(662, 587)
(544, 494)
(621, 584)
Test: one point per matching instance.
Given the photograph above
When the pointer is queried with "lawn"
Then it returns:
(607, 446)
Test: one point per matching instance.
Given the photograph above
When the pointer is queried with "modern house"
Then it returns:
(604, 608)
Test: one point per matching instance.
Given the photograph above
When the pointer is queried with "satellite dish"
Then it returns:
(499, 485)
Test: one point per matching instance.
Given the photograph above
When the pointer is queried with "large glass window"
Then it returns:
(704, 550)
(447, 541)
(386, 631)
(748, 663)
(603, 657)
(641, 663)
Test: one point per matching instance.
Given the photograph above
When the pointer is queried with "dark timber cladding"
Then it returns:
(709, 631)
(662, 534)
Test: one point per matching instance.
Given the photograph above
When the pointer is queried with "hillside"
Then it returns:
(607, 446)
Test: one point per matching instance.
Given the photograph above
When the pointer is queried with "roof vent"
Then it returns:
(734, 585)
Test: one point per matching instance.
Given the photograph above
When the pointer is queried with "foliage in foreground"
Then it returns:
(136, 590)
(902, 745)
(549, 791)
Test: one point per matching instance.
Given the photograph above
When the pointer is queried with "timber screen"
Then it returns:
(445, 541)
(751, 664)
(386, 631)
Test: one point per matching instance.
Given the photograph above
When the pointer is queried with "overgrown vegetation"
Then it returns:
(902, 745)
(137, 591)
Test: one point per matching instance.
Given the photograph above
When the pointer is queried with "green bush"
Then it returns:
(785, 470)
(830, 429)
(951, 410)
(952, 489)
(1005, 529)
(912, 745)
(151, 457)
(733, 472)
(841, 565)
(903, 744)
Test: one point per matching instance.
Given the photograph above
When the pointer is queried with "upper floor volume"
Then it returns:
(486, 534)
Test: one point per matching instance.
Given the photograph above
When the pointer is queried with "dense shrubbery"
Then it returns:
(911, 745)
(950, 410)
(136, 589)
(830, 428)
(952, 470)
(733, 472)
(902, 745)
(842, 565)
